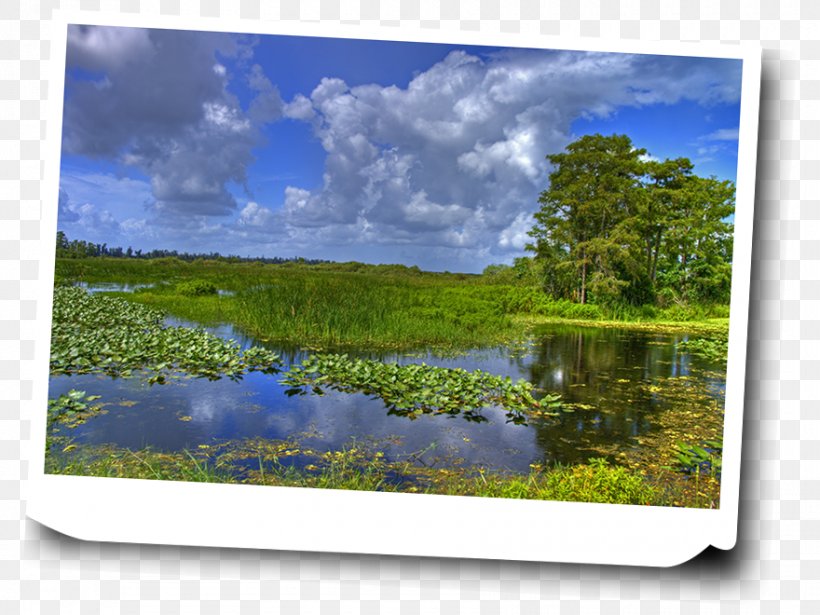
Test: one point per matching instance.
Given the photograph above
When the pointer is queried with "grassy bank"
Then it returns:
(361, 468)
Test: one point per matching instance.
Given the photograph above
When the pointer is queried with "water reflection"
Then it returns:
(608, 378)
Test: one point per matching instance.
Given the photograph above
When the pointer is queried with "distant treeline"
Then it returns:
(78, 248)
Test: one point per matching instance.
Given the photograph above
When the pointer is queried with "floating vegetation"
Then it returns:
(72, 409)
(656, 413)
(99, 334)
(417, 389)
(715, 349)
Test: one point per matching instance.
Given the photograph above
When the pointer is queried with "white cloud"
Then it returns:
(724, 134)
(515, 235)
(255, 215)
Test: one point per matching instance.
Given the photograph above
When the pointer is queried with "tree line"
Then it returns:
(79, 248)
(616, 225)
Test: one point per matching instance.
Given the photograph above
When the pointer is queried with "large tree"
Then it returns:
(582, 226)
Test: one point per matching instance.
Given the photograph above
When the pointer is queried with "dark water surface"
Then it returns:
(608, 378)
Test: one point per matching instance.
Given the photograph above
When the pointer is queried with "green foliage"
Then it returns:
(417, 389)
(94, 333)
(356, 467)
(196, 288)
(715, 348)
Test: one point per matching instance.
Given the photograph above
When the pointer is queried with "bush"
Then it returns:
(599, 482)
(196, 288)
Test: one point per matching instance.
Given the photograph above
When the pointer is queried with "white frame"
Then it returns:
(159, 512)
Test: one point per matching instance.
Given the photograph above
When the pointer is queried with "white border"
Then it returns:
(300, 519)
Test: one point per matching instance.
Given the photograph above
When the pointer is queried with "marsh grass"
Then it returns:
(337, 306)
(333, 310)
(336, 310)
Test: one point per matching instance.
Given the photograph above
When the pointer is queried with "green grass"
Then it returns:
(324, 309)
(518, 300)
(333, 310)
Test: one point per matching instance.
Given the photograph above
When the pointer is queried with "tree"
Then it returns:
(582, 227)
(699, 241)
(62, 244)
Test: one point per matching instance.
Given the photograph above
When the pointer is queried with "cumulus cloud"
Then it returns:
(158, 100)
(515, 235)
(92, 222)
(457, 157)
(64, 214)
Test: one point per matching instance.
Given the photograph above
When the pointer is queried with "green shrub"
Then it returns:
(196, 288)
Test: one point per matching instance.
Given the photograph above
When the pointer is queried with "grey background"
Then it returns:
(776, 564)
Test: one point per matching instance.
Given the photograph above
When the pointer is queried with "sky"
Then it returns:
(381, 152)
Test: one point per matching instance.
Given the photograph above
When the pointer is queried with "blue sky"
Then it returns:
(422, 154)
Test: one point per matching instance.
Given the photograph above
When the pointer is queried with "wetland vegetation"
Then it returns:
(593, 370)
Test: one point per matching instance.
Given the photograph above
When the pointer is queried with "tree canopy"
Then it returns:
(616, 225)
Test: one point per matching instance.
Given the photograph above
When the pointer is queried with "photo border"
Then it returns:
(311, 519)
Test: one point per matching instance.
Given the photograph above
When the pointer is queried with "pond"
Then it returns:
(612, 382)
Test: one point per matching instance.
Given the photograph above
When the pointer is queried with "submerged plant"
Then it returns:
(417, 389)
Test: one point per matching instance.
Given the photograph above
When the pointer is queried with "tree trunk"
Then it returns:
(584, 277)
(654, 271)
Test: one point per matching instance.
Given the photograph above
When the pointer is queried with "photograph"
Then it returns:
(393, 266)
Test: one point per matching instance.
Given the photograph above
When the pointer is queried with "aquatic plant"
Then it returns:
(94, 333)
(697, 459)
(416, 389)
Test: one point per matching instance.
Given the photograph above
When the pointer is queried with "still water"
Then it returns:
(609, 380)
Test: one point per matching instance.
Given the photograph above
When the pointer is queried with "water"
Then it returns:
(610, 380)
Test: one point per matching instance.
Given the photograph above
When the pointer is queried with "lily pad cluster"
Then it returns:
(417, 389)
(99, 334)
(72, 409)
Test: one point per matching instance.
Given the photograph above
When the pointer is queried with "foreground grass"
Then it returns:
(359, 468)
